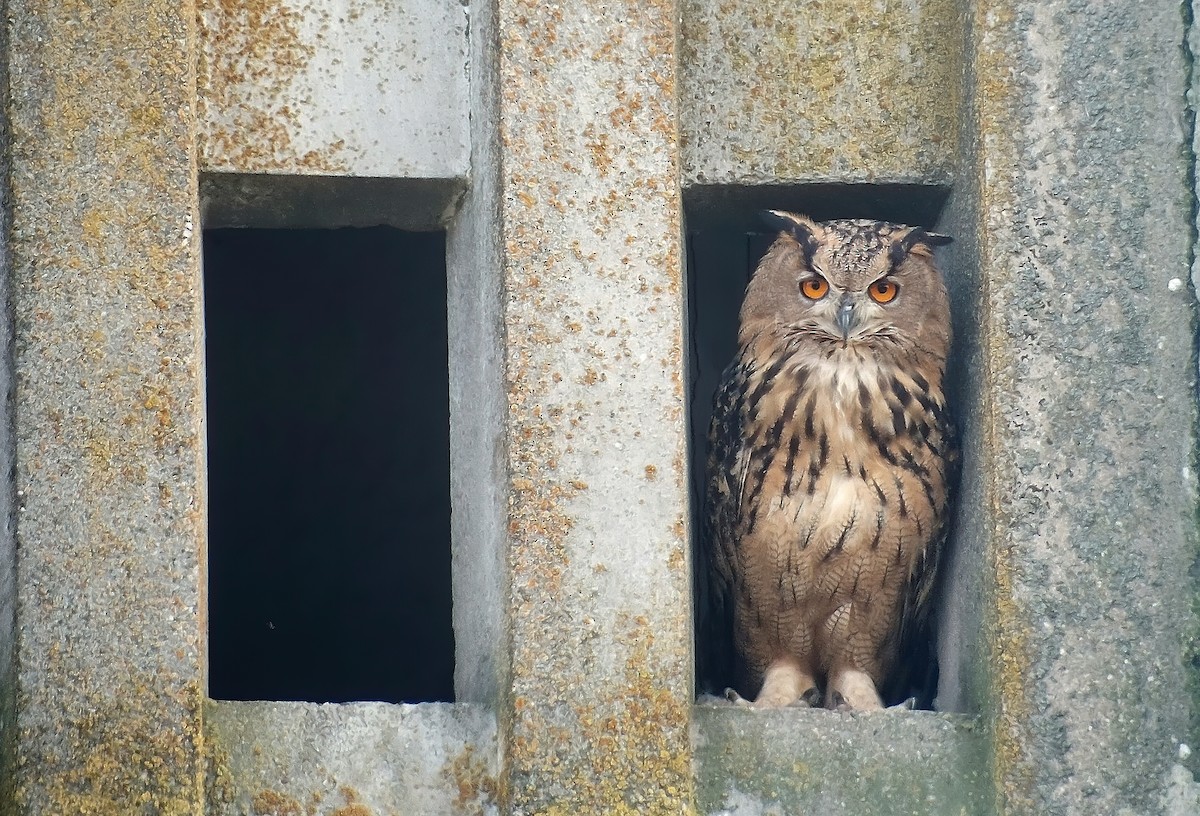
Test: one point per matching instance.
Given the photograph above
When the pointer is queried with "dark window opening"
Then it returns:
(328, 465)
(726, 240)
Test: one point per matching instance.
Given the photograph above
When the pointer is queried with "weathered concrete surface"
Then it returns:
(597, 716)
(8, 541)
(349, 87)
(772, 763)
(1077, 213)
(479, 396)
(108, 405)
(803, 92)
(273, 201)
(280, 759)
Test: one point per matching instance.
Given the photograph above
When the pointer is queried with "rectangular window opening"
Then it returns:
(328, 465)
(726, 239)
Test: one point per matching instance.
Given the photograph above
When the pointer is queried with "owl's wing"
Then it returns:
(916, 637)
(728, 459)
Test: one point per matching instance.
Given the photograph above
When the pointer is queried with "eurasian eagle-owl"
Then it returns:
(830, 453)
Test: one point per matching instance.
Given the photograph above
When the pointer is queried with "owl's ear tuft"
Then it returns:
(918, 242)
(801, 229)
(923, 242)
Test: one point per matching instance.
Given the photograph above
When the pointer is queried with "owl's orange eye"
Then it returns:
(883, 291)
(814, 288)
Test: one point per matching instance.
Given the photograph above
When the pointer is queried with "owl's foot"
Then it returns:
(738, 700)
(785, 684)
(852, 690)
(809, 699)
(838, 703)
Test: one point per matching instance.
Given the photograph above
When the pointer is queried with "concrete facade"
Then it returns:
(568, 151)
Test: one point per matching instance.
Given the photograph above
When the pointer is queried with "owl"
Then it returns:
(830, 461)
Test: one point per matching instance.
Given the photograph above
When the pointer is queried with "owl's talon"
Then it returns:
(837, 702)
(906, 705)
(738, 700)
(810, 698)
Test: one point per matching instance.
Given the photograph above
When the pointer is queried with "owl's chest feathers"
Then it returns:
(844, 438)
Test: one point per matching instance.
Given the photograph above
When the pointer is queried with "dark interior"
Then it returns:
(328, 465)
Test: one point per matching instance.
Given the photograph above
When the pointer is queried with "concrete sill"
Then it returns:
(807, 761)
(276, 757)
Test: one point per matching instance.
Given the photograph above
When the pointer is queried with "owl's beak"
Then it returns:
(845, 320)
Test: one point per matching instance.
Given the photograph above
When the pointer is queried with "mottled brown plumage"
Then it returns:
(830, 454)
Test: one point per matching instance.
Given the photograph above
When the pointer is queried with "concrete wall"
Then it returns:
(346, 113)
(568, 150)
(1080, 362)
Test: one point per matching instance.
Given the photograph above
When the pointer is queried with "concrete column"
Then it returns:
(1078, 524)
(108, 403)
(597, 717)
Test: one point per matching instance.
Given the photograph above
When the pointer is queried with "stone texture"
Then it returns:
(1080, 501)
(271, 201)
(479, 397)
(597, 715)
(827, 91)
(351, 760)
(109, 407)
(339, 87)
(771, 763)
(8, 542)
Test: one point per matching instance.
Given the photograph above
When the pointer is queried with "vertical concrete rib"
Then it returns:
(1082, 218)
(478, 402)
(8, 541)
(601, 687)
(108, 400)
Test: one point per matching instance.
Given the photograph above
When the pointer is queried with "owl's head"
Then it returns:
(866, 285)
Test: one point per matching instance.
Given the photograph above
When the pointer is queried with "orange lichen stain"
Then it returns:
(477, 790)
(676, 560)
(248, 72)
(600, 148)
(651, 472)
(158, 401)
(353, 809)
(92, 222)
(1010, 646)
(274, 803)
(120, 748)
(354, 805)
(637, 759)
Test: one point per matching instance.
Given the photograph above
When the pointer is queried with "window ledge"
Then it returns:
(284, 757)
(814, 761)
